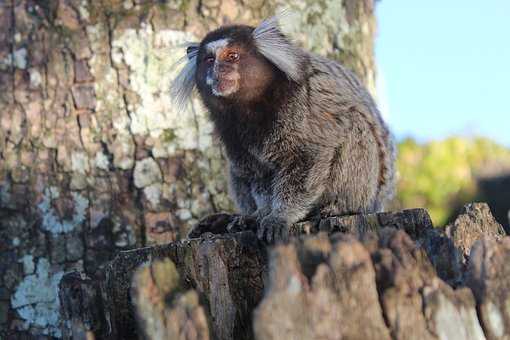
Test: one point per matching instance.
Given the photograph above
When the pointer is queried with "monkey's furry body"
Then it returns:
(301, 133)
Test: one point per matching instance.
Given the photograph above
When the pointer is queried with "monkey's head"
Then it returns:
(238, 64)
(229, 66)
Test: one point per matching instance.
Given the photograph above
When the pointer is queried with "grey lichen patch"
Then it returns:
(325, 27)
(124, 234)
(123, 149)
(152, 57)
(110, 103)
(51, 221)
(78, 181)
(147, 172)
(80, 162)
(36, 299)
(153, 194)
(127, 4)
(5, 193)
(315, 25)
(17, 59)
(16, 242)
(140, 108)
(28, 264)
(101, 161)
(83, 9)
(35, 77)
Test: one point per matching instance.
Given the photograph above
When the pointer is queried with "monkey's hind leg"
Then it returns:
(353, 179)
(296, 188)
(240, 191)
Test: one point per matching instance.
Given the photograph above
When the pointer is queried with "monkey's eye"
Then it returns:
(209, 59)
(233, 56)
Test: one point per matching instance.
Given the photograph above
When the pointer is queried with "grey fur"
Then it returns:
(326, 149)
(273, 45)
(316, 163)
(183, 85)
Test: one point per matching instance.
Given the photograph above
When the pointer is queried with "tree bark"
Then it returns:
(377, 276)
(93, 157)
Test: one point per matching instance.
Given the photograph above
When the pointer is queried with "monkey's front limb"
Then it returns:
(295, 190)
(253, 199)
(240, 191)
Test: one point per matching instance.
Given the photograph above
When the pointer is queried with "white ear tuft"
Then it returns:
(277, 48)
(182, 87)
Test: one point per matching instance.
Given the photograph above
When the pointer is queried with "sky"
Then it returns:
(444, 67)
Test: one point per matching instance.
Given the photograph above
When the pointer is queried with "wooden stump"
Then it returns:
(376, 276)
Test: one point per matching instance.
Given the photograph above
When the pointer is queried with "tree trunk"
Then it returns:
(93, 157)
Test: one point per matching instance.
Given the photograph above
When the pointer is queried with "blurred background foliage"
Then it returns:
(443, 175)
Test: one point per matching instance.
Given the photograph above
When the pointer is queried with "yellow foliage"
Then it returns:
(440, 174)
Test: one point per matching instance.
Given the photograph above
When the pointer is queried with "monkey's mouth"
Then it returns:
(224, 87)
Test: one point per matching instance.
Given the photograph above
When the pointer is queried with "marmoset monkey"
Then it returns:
(301, 133)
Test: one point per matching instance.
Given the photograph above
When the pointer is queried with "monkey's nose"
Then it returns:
(223, 69)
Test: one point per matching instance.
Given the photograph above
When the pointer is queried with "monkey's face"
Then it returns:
(219, 64)
(228, 66)
(239, 65)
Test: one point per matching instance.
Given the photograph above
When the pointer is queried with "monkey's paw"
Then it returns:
(214, 224)
(241, 223)
(273, 229)
(221, 223)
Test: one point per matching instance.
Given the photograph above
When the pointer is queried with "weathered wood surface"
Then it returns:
(165, 310)
(226, 270)
(377, 276)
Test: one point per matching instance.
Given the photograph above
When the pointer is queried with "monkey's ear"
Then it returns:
(277, 48)
(182, 87)
(192, 50)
